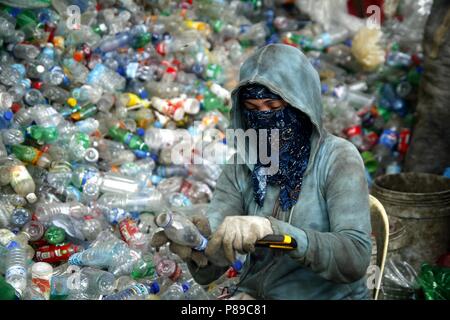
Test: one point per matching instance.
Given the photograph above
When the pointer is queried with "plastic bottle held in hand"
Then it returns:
(181, 230)
(41, 276)
(16, 267)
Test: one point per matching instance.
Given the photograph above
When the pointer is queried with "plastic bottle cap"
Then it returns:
(185, 287)
(237, 265)
(8, 115)
(140, 132)
(72, 102)
(91, 155)
(31, 198)
(13, 245)
(42, 269)
(154, 288)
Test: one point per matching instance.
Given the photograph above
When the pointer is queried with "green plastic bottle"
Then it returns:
(43, 134)
(142, 40)
(7, 292)
(26, 153)
(144, 268)
(133, 141)
(212, 102)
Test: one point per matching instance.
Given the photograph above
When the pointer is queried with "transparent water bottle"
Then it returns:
(135, 292)
(150, 200)
(44, 212)
(16, 267)
(175, 292)
(12, 136)
(181, 230)
(99, 282)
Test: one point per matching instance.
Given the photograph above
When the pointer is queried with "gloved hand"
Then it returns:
(238, 233)
(186, 253)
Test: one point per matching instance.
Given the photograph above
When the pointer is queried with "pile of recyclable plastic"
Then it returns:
(91, 95)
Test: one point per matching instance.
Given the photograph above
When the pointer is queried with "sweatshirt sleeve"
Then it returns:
(343, 254)
(226, 201)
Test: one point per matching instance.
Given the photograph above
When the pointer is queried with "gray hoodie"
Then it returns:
(331, 220)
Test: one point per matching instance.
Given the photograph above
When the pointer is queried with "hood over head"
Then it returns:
(287, 72)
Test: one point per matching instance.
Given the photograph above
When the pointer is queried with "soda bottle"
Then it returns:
(129, 139)
(56, 253)
(43, 134)
(31, 155)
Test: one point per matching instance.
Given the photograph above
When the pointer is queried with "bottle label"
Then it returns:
(389, 138)
(43, 285)
(88, 174)
(16, 271)
(117, 215)
(128, 230)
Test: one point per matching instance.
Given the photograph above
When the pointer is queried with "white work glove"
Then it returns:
(238, 233)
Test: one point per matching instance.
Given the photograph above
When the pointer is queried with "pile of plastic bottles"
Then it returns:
(90, 97)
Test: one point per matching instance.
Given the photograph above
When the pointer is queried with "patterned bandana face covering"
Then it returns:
(294, 150)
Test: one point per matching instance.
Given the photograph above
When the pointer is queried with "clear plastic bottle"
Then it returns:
(25, 51)
(150, 200)
(335, 36)
(105, 78)
(16, 267)
(44, 212)
(175, 292)
(181, 230)
(135, 292)
(99, 282)
(12, 136)
(20, 216)
(5, 215)
(35, 229)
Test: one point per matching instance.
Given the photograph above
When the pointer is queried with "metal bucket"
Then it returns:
(422, 203)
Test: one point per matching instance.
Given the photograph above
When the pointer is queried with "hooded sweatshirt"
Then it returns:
(331, 219)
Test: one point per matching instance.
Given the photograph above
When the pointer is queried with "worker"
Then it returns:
(319, 194)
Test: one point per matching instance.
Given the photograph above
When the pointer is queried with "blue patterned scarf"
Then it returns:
(294, 141)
